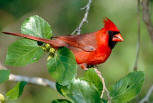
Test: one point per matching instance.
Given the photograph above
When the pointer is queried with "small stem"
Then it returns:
(104, 86)
(84, 19)
(138, 41)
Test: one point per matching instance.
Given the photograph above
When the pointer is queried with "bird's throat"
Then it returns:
(111, 43)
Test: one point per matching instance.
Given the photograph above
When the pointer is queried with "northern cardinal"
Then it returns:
(89, 49)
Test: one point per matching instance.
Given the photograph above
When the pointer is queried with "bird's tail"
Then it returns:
(48, 41)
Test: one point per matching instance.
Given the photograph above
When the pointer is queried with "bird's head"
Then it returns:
(113, 32)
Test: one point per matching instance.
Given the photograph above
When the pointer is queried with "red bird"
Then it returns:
(89, 49)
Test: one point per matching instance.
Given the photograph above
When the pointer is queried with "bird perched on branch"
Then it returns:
(88, 49)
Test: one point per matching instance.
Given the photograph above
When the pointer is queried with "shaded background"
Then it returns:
(64, 16)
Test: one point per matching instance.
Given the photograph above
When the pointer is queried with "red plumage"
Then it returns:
(89, 49)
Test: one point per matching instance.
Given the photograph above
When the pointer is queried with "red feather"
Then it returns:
(89, 49)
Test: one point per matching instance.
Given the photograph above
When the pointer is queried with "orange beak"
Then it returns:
(118, 38)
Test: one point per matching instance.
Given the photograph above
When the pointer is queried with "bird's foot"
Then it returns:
(84, 66)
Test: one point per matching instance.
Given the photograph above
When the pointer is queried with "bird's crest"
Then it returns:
(109, 25)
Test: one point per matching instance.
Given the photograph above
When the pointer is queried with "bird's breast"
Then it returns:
(98, 56)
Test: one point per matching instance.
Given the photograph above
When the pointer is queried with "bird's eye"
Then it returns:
(113, 32)
(110, 32)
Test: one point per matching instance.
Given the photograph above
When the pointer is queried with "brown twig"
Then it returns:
(104, 86)
(147, 17)
(146, 98)
(84, 19)
(138, 41)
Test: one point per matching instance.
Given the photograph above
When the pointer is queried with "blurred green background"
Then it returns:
(64, 16)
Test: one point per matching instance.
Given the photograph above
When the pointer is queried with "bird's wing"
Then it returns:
(87, 42)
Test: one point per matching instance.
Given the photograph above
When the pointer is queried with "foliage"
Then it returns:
(63, 68)
(17, 91)
(23, 52)
(93, 79)
(127, 88)
(83, 90)
(36, 26)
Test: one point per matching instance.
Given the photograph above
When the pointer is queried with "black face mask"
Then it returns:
(110, 42)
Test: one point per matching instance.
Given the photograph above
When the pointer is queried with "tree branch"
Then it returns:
(104, 86)
(32, 80)
(146, 98)
(147, 17)
(138, 41)
(84, 19)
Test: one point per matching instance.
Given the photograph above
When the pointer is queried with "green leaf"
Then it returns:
(127, 88)
(63, 66)
(23, 52)
(93, 79)
(80, 91)
(61, 101)
(4, 75)
(16, 92)
(85, 90)
(36, 26)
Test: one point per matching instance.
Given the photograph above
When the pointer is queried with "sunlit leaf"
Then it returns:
(80, 91)
(127, 88)
(84, 90)
(63, 66)
(17, 91)
(4, 75)
(92, 78)
(36, 26)
(23, 52)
